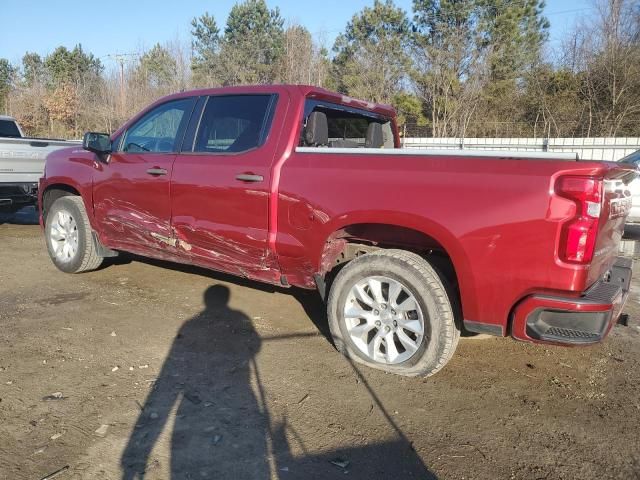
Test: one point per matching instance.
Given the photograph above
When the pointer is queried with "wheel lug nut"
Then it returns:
(395, 324)
(376, 312)
(393, 312)
(378, 323)
(383, 306)
(387, 328)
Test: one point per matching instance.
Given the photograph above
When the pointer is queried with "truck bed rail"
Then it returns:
(497, 154)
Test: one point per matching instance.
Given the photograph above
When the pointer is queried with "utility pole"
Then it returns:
(120, 58)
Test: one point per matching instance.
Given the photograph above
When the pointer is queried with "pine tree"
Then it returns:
(253, 44)
(445, 62)
(371, 55)
(32, 68)
(514, 34)
(7, 73)
(157, 67)
(205, 45)
(512, 37)
(71, 66)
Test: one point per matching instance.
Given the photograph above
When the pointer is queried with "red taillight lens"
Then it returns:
(578, 236)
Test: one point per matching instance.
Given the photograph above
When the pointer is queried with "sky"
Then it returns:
(124, 26)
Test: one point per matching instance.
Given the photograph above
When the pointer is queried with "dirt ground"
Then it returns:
(178, 372)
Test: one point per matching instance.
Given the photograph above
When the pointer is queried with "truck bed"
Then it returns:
(21, 166)
(495, 214)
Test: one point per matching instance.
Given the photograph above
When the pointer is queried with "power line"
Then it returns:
(575, 10)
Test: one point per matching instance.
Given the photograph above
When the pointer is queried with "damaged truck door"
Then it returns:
(131, 190)
(220, 185)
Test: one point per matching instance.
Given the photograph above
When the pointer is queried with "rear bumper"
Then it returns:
(582, 320)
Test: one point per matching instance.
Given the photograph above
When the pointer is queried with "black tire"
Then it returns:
(86, 257)
(441, 331)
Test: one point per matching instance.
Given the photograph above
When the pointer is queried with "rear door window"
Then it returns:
(234, 123)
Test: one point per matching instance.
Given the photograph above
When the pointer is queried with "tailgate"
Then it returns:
(616, 205)
(21, 168)
(22, 159)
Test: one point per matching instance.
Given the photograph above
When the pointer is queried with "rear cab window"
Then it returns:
(9, 128)
(346, 127)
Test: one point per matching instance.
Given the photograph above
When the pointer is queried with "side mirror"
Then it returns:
(99, 143)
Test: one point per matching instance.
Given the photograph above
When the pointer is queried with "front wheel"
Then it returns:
(69, 239)
(390, 310)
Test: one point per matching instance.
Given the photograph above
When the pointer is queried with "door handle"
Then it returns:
(249, 177)
(156, 171)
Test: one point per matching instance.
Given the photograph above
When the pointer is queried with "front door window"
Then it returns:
(160, 130)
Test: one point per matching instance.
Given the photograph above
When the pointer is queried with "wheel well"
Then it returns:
(54, 192)
(355, 240)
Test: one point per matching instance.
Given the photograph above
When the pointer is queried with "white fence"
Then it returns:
(601, 148)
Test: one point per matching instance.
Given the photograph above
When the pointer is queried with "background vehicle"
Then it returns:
(21, 164)
(634, 187)
(295, 185)
(9, 128)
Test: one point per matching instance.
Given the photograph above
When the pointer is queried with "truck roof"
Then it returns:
(309, 91)
(291, 90)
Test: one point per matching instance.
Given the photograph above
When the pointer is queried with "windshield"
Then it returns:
(9, 128)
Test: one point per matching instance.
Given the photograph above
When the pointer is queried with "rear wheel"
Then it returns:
(390, 310)
(69, 239)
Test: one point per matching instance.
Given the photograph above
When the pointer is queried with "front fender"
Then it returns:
(70, 169)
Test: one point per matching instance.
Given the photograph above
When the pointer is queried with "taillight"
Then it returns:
(578, 236)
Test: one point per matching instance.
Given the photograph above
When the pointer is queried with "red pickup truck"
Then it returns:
(299, 186)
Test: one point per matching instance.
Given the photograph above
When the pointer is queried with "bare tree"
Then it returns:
(605, 53)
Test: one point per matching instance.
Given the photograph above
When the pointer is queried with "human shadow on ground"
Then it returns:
(222, 427)
(219, 429)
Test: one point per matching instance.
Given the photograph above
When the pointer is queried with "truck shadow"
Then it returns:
(25, 216)
(310, 300)
(210, 388)
(632, 231)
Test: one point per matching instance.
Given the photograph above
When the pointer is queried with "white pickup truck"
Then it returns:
(634, 188)
(22, 164)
